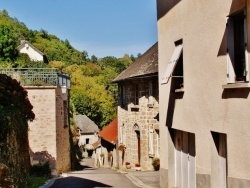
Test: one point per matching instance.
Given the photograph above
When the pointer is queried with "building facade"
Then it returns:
(88, 134)
(48, 92)
(138, 104)
(204, 93)
(34, 54)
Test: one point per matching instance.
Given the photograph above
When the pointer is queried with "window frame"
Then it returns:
(178, 52)
(231, 63)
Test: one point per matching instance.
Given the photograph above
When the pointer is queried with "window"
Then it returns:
(150, 94)
(136, 95)
(65, 110)
(122, 95)
(87, 141)
(237, 67)
(175, 69)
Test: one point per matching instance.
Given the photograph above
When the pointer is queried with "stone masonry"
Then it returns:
(137, 116)
(49, 133)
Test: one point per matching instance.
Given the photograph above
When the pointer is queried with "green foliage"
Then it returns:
(8, 41)
(92, 92)
(35, 181)
(15, 111)
(155, 161)
(41, 170)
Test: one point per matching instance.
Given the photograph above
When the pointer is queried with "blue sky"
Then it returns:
(101, 27)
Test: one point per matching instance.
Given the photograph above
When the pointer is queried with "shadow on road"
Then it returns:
(74, 182)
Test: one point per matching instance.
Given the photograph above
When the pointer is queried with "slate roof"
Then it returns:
(146, 64)
(85, 124)
(110, 132)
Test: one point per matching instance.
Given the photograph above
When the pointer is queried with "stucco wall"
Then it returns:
(32, 53)
(204, 106)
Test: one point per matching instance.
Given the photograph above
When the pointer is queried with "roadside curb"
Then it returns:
(49, 183)
(137, 181)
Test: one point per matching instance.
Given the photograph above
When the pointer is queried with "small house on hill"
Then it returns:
(88, 132)
(34, 54)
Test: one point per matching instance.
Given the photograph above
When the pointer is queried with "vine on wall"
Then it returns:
(15, 111)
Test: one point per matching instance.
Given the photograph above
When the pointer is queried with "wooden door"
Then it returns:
(185, 176)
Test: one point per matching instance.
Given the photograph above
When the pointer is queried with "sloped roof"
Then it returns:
(27, 42)
(97, 143)
(85, 124)
(110, 132)
(145, 65)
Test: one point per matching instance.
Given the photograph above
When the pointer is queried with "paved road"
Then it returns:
(91, 177)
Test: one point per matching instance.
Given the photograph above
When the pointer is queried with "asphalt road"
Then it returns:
(94, 178)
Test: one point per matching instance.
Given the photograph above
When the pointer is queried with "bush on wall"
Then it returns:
(15, 111)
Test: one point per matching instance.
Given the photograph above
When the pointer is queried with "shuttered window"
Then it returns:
(151, 142)
(237, 55)
(173, 61)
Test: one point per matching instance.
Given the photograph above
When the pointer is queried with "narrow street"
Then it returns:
(93, 177)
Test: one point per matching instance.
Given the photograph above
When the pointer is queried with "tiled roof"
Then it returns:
(110, 132)
(146, 64)
(85, 124)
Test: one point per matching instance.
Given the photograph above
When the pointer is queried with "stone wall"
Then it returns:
(137, 119)
(48, 136)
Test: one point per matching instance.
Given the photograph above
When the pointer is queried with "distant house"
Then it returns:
(108, 140)
(88, 132)
(34, 54)
(138, 108)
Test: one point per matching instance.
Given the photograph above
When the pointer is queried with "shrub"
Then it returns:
(121, 147)
(155, 161)
(41, 170)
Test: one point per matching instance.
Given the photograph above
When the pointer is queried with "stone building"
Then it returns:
(204, 93)
(88, 134)
(138, 105)
(49, 131)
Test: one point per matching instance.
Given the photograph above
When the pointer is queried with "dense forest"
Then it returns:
(91, 90)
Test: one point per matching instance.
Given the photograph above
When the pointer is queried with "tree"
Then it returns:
(8, 44)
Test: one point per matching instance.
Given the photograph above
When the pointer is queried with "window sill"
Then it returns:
(150, 105)
(179, 90)
(151, 155)
(236, 85)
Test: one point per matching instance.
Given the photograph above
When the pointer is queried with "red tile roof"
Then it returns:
(110, 132)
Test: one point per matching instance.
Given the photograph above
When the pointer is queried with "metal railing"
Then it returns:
(38, 76)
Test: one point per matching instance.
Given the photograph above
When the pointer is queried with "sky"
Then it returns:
(100, 27)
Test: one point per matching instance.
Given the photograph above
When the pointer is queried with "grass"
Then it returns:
(35, 181)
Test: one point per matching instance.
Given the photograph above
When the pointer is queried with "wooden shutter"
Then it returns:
(230, 52)
(172, 64)
(150, 142)
(246, 53)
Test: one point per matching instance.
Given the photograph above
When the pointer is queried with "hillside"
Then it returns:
(91, 91)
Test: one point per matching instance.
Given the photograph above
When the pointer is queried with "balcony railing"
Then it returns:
(38, 76)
